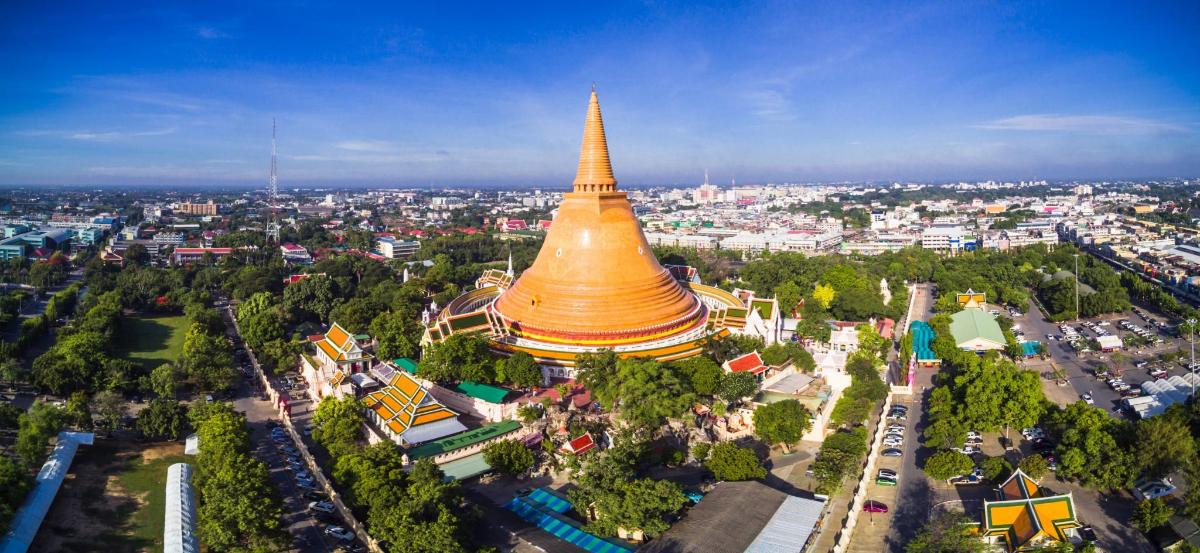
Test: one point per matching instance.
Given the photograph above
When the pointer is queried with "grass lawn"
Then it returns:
(152, 341)
(114, 501)
(149, 478)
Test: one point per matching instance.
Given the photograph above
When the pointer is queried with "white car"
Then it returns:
(893, 442)
(339, 533)
(1087, 398)
(323, 506)
(973, 434)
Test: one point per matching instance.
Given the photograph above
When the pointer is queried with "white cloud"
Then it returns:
(211, 33)
(366, 146)
(1091, 124)
(109, 136)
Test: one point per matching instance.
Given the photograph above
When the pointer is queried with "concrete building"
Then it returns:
(188, 208)
(392, 248)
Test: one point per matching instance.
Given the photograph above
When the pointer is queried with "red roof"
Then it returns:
(751, 362)
(291, 247)
(885, 328)
(316, 337)
(544, 224)
(581, 444)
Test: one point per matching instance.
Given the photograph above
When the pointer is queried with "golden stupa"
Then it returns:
(595, 278)
(596, 284)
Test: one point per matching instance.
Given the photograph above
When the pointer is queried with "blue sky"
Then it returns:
(495, 93)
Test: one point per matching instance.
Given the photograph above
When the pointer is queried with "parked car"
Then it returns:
(882, 481)
(893, 442)
(887, 473)
(892, 452)
(1153, 489)
(322, 506)
(875, 507)
(341, 533)
(1087, 397)
(315, 496)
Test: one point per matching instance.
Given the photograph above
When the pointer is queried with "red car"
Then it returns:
(874, 507)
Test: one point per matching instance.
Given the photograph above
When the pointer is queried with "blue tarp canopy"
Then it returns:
(922, 335)
(541, 507)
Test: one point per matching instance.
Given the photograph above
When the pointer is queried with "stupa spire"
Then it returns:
(595, 170)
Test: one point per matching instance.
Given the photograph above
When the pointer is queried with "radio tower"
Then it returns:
(272, 194)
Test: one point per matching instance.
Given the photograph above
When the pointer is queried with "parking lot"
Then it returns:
(1081, 368)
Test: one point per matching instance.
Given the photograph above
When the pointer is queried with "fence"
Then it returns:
(842, 540)
(351, 521)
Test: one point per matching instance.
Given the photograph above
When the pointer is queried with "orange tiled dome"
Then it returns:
(595, 278)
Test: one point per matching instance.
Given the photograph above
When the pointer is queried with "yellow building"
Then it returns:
(596, 284)
(1026, 516)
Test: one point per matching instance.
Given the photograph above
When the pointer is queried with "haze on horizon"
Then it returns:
(495, 94)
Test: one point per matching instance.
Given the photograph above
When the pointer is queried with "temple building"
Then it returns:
(596, 284)
(1026, 516)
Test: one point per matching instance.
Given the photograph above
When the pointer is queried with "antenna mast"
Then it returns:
(273, 193)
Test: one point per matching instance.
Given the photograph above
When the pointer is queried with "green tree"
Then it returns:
(164, 380)
(1162, 446)
(638, 504)
(311, 298)
(163, 419)
(78, 413)
(1035, 466)
(522, 371)
(703, 373)
(111, 407)
(948, 532)
(208, 360)
(374, 475)
(731, 463)
(782, 422)
(461, 357)
(1151, 514)
(945, 465)
(996, 469)
(509, 457)
(339, 425)
(788, 295)
(14, 484)
(35, 428)
(737, 385)
(12, 371)
(647, 392)
(399, 335)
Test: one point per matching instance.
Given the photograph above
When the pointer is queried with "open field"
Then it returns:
(112, 501)
(152, 341)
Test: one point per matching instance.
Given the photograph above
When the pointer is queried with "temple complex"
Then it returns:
(596, 284)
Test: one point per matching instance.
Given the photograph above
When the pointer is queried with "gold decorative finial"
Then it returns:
(595, 170)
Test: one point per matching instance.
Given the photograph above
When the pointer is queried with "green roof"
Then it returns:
(408, 365)
(462, 439)
(490, 394)
(970, 324)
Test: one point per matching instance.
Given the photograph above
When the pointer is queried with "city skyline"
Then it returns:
(764, 93)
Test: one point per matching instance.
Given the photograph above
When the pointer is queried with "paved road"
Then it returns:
(915, 498)
(306, 530)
